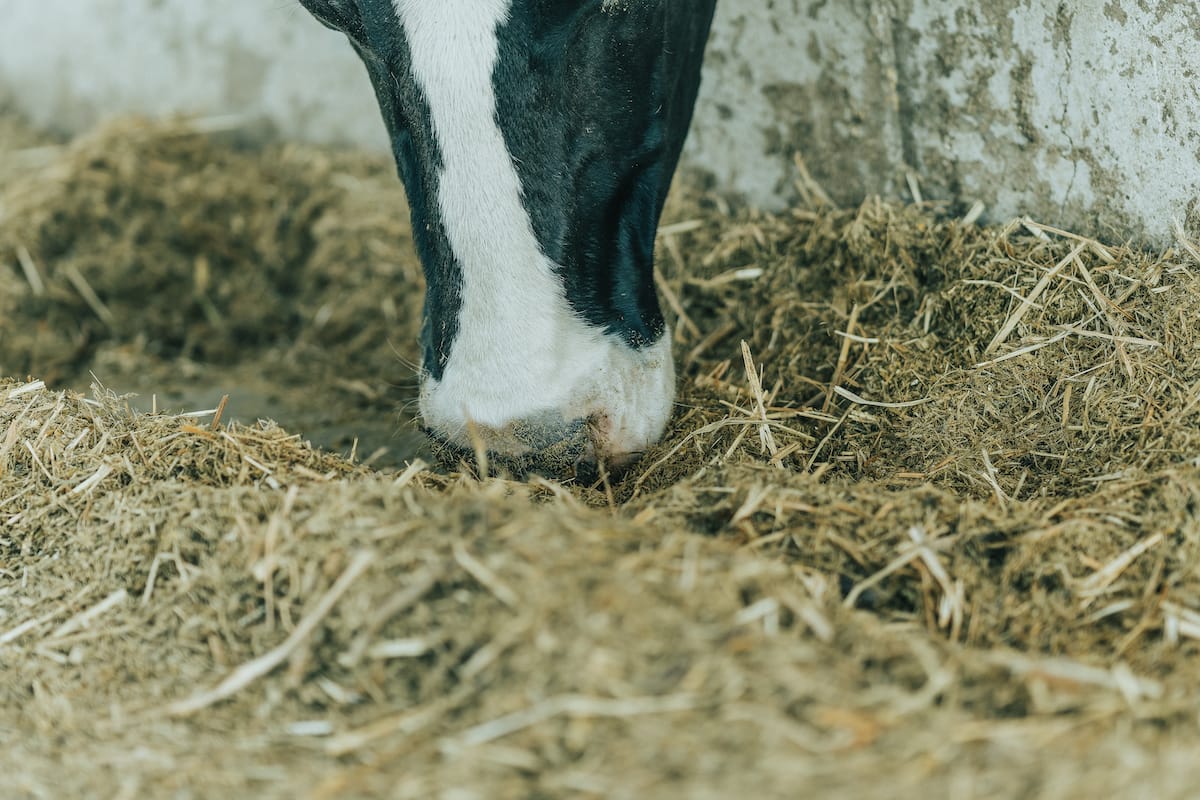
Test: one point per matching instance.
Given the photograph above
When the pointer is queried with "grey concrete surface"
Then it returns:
(1082, 113)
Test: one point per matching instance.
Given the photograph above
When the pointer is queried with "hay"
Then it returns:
(924, 522)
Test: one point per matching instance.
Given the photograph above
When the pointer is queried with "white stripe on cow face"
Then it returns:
(520, 355)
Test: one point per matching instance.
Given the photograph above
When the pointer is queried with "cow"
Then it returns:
(536, 140)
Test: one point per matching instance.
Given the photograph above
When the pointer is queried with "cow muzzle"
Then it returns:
(594, 410)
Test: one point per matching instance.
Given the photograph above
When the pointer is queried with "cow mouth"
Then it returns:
(568, 451)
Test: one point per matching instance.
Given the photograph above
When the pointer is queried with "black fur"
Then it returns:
(594, 100)
(374, 32)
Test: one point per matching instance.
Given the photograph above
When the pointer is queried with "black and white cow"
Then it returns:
(536, 140)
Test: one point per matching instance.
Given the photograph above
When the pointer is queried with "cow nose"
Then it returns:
(559, 405)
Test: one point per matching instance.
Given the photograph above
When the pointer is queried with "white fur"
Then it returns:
(520, 351)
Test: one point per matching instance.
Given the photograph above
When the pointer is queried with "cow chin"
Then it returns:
(584, 402)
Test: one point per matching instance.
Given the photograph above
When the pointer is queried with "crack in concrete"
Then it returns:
(904, 96)
(1062, 119)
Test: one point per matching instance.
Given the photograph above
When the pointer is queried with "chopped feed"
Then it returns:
(924, 522)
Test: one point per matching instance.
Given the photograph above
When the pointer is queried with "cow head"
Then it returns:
(536, 140)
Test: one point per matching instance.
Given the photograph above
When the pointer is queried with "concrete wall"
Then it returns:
(1084, 113)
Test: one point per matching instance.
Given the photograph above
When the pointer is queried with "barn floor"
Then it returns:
(971, 568)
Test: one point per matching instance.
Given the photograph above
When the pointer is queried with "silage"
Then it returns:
(874, 553)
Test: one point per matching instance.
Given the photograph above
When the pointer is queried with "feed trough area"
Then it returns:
(923, 523)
